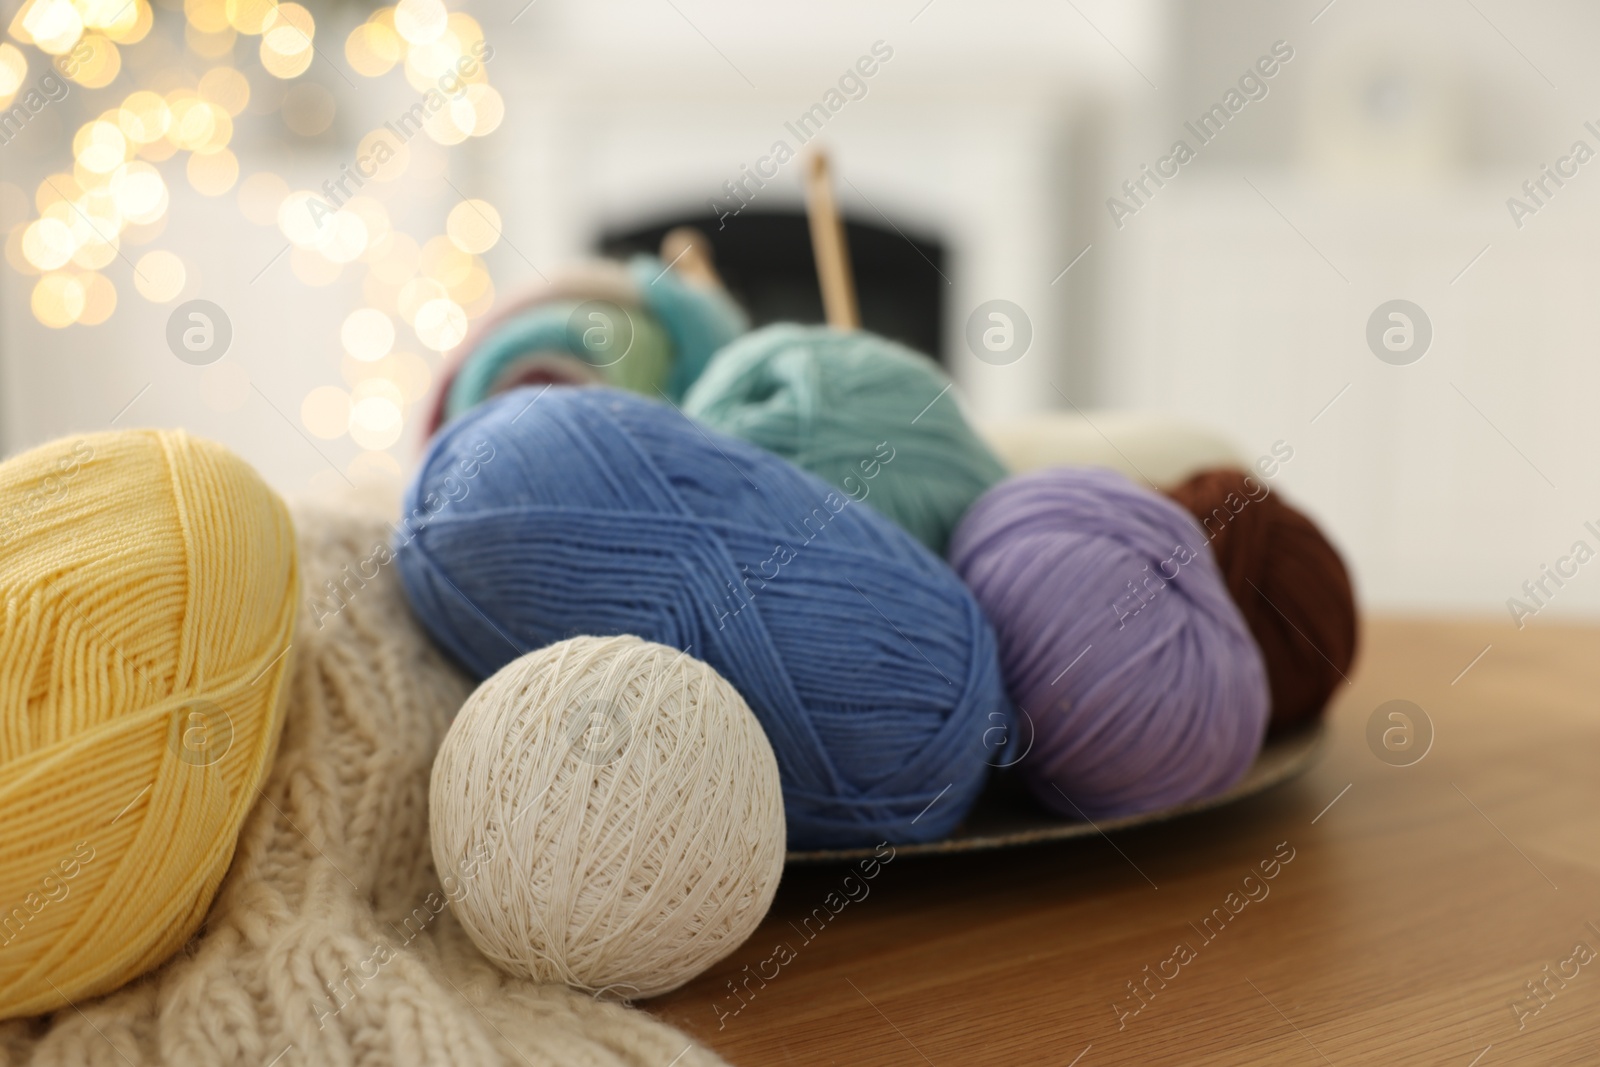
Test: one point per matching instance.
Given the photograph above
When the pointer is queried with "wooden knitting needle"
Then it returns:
(829, 247)
(686, 250)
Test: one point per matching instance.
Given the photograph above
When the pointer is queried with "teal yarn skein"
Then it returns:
(551, 514)
(870, 417)
(699, 319)
(559, 328)
(672, 330)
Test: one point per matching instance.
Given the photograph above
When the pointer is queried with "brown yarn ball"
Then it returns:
(1290, 585)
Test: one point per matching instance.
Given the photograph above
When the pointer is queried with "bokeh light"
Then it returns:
(473, 226)
(99, 298)
(95, 62)
(100, 147)
(158, 151)
(52, 26)
(130, 22)
(248, 16)
(226, 88)
(207, 16)
(99, 249)
(19, 263)
(467, 32)
(373, 49)
(139, 192)
(144, 233)
(54, 189)
(58, 299)
(344, 236)
(415, 293)
(47, 243)
(194, 121)
(367, 334)
(420, 21)
(452, 124)
(409, 373)
(470, 288)
(111, 196)
(286, 40)
(159, 276)
(440, 324)
(377, 415)
(302, 216)
(488, 109)
(144, 117)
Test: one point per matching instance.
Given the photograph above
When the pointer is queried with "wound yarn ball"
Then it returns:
(870, 417)
(1127, 659)
(1289, 582)
(149, 582)
(594, 512)
(606, 813)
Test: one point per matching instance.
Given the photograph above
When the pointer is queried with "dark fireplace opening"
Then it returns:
(765, 259)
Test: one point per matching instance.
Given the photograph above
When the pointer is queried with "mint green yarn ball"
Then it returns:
(872, 418)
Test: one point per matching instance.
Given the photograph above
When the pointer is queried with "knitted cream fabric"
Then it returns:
(329, 941)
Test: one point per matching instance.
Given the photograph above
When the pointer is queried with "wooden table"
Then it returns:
(1419, 903)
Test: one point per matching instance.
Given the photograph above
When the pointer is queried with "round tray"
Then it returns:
(1006, 816)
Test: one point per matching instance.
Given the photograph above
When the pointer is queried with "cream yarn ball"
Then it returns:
(605, 813)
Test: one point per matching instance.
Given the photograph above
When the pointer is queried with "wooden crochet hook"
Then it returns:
(686, 250)
(829, 246)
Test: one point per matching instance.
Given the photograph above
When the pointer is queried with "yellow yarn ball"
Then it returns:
(149, 583)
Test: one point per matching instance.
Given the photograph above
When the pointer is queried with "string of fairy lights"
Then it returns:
(114, 200)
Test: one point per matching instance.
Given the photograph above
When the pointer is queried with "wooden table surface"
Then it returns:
(1420, 903)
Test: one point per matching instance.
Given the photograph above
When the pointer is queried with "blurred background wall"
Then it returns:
(993, 141)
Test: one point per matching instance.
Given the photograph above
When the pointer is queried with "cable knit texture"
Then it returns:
(330, 942)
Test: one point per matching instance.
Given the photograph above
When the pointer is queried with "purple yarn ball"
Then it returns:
(1118, 640)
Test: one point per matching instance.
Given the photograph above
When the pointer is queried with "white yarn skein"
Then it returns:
(606, 813)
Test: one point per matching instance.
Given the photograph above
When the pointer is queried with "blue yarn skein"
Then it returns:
(593, 511)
